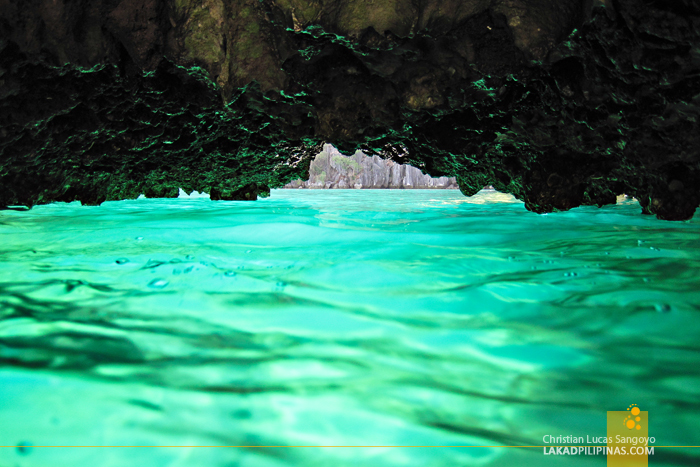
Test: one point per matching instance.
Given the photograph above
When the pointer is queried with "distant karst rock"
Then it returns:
(331, 169)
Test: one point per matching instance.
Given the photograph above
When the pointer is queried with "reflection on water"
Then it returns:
(343, 317)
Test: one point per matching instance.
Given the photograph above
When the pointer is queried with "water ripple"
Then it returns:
(342, 318)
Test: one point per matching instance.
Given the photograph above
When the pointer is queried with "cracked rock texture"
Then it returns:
(331, 169)
(561, 103)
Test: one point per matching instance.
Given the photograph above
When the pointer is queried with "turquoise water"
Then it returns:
(342, 317)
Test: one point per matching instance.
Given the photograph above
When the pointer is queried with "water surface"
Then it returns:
(342, 317)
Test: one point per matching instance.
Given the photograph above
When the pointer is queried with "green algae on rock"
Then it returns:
(560, 103)
(93, 135)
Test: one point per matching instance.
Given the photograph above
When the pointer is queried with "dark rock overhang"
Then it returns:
(562, 103)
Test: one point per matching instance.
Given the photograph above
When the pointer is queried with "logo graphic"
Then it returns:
(628, 438)
(631, 421)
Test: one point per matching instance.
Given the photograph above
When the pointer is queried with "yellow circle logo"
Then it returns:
(632, 419)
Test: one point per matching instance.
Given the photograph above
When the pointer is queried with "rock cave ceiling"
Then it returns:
(560, 102)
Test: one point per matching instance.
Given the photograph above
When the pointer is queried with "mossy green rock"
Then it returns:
(560, 103)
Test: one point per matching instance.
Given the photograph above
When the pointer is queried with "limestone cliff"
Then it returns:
(561, 103)
(331, 169)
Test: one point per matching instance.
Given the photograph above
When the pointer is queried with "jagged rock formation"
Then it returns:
(559, 103)
(331, 169)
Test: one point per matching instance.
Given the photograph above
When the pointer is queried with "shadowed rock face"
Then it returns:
(559, 103)
(331, 169)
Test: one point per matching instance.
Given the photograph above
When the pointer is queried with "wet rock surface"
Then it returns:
(559, 103)
(331, 169)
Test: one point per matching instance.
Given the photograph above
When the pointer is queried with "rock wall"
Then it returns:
(561, 103)
(331, 169)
